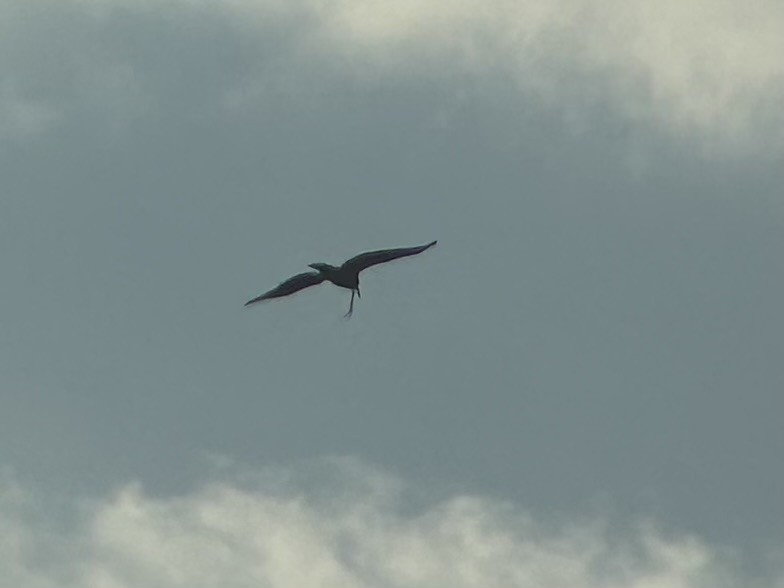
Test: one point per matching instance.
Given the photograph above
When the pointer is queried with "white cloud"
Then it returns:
(707, 71)
(707, 68)
(344, 526)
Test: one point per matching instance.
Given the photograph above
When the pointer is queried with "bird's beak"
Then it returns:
(358, 294)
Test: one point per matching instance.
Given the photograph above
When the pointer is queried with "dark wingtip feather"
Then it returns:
(257, 299)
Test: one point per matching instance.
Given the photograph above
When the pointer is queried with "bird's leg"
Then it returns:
(351, 306)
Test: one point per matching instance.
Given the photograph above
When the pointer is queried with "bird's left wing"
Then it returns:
(294, 284)
(365, 260)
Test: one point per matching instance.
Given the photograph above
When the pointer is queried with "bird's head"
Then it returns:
(324, 268)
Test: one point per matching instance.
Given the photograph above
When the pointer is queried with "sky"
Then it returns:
(580, 385)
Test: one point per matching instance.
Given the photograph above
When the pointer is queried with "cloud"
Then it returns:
(340, 524)
(60, 63)
(704, 71)
(701, 67)
(21, 117)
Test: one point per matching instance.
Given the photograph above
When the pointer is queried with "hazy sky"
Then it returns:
(582, 385)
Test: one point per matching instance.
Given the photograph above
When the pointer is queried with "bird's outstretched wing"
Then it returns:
(295, 284)
(365, 260)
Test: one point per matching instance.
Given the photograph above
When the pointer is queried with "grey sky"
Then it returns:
(598, 330)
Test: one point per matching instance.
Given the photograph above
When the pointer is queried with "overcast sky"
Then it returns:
(580, 385)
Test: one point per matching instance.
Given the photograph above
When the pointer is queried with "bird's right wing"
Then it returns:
(365, 260)
(295, 284)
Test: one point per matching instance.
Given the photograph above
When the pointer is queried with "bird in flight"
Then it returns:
(345, 276)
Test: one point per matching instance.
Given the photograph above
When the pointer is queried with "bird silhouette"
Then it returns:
(345, 276)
